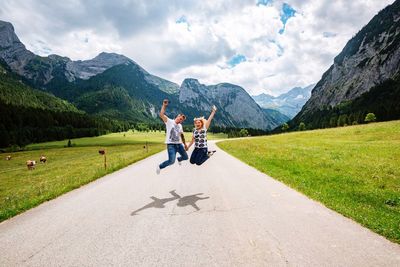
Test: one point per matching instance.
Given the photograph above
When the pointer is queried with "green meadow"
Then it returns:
(68, 168)
(65, 170)
(113, 139)
(352, 170)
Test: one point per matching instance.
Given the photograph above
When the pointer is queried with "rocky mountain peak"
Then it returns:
(24, 62)
(12, 51)
(371, 57)
(236, 106)
(362, 78)
(289, 103)
(7, 35)
(230, 86)
(264, 95)
(191, 82)
(190, 91)
(84, 69)
(111, 58)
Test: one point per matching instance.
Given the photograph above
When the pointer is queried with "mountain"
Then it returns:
(13, 91)
(114, 86)
(29, 115)
(236, 107)
(289, 103)
(88, 68)
(279, 117)
(12, 51)
(120, 92)
(364, 77)
(43, 71)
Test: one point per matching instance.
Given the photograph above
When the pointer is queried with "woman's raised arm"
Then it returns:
(210, 118)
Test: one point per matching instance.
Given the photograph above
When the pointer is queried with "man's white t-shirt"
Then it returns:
(173, 132)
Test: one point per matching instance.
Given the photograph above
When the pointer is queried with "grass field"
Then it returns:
(70, 168)
(125, 138)
(66, 169)
(353, 170)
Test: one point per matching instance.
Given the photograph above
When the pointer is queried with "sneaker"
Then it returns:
(180, 163)
(158, 170)
(210, 153)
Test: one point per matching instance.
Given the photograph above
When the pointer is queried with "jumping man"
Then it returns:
(174, 138)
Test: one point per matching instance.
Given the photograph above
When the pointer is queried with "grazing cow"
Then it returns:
(43, 159)
(8, 157)
(31, 164)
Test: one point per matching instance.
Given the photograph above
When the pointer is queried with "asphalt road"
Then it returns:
(223, 213)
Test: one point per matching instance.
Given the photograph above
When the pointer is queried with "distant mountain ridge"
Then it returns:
(289, 103)
(365, 77)
(116, 87)
(14, 92)
(30, 115)
(235, 104)
(43, 70)
(88, 68)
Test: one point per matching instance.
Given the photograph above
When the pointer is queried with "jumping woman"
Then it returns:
(200, 153)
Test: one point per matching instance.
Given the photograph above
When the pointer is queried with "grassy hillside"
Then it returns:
(353, 170)
(120, 92)
(112, 102)
(13, 91)
(28, 115)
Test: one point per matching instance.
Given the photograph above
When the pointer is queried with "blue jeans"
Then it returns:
(199, 156)
(172, 150)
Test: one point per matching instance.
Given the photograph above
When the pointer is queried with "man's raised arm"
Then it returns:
(162, 111)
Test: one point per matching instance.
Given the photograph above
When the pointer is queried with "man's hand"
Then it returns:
(162, 111)
(186, 147)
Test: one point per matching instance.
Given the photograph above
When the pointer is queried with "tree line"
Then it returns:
(20, 126)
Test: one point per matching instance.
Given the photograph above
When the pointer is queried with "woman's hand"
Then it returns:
(210, 118)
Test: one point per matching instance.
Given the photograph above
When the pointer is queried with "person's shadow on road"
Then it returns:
(190, 200)
(159, 203)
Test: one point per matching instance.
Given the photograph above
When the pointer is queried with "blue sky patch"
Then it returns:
(280, 49)
(286, 13)
(329, 34)
(183, 20)
(264, 2)
(236, 60)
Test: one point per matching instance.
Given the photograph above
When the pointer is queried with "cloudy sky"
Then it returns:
(265, 46)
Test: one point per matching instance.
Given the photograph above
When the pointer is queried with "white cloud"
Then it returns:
(179, 39)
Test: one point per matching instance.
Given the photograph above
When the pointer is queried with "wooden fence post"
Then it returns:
(103, 152)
